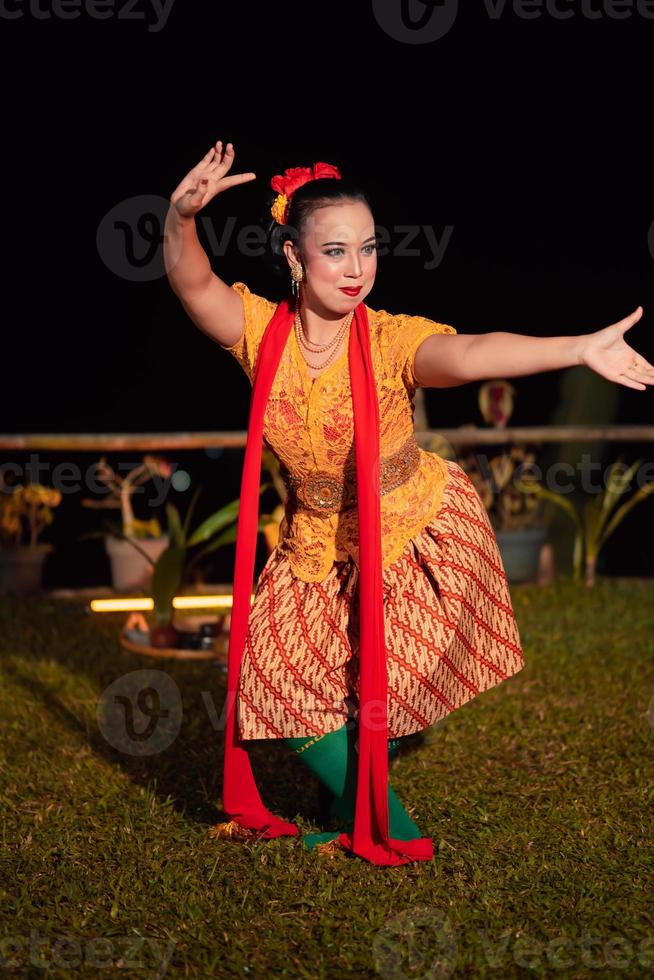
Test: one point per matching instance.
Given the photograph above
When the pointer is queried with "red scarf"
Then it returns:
(241, 801)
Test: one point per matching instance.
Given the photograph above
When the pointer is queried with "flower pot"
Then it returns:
(520, 550)
(21, 569)
(129, 569)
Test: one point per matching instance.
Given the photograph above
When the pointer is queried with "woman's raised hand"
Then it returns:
(206, 180)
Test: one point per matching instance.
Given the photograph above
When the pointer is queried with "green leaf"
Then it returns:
(592, 519)
(212, 525)
(622, 512)
(174, 526)
(560, 501)
(216, 522)
(227, 537)
(617, 483)
(578, 555)
(166, 579)
(187, 519)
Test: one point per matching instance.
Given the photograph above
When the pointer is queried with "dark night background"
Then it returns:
(528, 137)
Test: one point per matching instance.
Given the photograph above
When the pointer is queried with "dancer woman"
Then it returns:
(385, 605)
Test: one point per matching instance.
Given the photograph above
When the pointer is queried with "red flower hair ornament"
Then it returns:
(287, 183)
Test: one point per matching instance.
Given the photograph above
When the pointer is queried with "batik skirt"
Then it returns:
(449, 624)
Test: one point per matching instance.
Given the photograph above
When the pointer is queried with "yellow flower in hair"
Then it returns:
(279, 208)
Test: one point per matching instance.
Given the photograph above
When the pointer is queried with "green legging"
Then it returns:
(333, 759)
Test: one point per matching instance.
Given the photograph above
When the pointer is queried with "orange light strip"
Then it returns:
(144, 604)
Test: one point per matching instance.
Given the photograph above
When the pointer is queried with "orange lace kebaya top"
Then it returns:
(309, 426)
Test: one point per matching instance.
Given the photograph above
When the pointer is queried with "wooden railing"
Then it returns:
(461, 436)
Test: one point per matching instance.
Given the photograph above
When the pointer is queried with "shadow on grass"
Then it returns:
(85, 648)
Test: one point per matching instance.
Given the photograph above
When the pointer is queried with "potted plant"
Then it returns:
(597, 518)
(172, 569)
(504, 485)
(133, 545)
(24, 512)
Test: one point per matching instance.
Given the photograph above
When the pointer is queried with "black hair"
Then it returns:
(304, 201)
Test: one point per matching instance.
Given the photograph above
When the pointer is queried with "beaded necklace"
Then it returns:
(304, 344)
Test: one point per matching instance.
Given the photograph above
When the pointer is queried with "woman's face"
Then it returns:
(337, 250)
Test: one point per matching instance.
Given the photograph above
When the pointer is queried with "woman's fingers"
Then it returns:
(217, 156)
(235, 179)
(207, 158)
(631, 382)
(223, 159)
(208, 178)
(629, 321)
(212, 159)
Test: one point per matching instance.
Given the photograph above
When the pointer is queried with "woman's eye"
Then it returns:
(331, 251)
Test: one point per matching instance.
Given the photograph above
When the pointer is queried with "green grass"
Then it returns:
(538, 795)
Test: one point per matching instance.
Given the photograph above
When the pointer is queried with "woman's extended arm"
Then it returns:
(445, 360)
(212, 305)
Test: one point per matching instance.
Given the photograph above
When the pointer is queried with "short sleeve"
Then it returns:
(257, 313)
(401, 334)
(414, 331)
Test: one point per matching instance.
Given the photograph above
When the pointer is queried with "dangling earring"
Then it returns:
(297, 277)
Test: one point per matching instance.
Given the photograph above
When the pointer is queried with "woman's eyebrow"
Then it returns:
(370, 238)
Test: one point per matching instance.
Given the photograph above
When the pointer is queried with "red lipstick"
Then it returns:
(350, 290)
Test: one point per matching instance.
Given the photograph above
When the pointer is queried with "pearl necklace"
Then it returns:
(303, 343)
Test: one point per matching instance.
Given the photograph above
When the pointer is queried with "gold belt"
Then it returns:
(328, 494)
